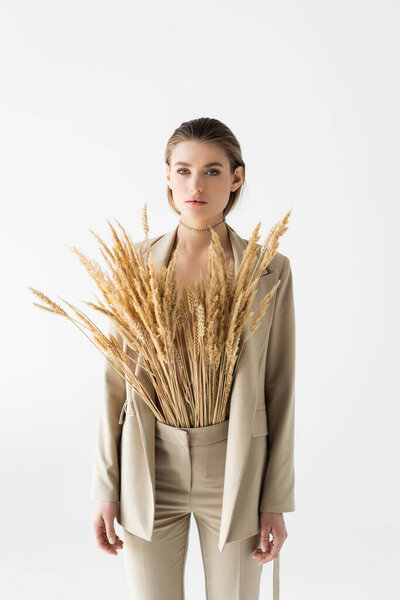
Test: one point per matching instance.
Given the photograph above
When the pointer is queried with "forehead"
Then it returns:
(200, 154)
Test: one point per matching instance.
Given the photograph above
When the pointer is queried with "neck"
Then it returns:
(197, 242)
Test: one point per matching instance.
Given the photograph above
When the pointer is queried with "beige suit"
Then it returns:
(262, 404)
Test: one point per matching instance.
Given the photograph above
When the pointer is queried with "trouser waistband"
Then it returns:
(192, 436)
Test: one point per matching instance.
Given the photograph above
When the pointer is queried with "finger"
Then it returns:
(277, 541)
(99, 529)
(270, 554)
(107, 547)
(102, 539)
(103, 543)
(264, 540)
(110, 531)
(118, 543)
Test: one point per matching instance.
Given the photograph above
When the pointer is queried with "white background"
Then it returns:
(90, 93)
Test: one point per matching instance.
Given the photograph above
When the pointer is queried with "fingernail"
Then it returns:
(112, 540)
(263, 548)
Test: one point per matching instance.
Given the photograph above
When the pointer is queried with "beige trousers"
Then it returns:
(189, 477)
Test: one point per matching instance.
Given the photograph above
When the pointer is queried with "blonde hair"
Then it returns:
(213, 131)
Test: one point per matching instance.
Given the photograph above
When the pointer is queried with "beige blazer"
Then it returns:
(262, 403)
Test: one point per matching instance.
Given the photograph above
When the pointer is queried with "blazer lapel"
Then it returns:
(243, 397)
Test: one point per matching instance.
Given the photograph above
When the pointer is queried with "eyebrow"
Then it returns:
(211, 164)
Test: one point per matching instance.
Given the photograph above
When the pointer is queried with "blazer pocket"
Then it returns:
(260, 426)
(265, 273)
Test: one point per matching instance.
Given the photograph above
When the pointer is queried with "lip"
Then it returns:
(194, 201)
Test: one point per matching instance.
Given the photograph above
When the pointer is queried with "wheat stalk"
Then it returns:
(187, 341)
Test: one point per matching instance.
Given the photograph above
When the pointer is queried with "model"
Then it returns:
(237, 476)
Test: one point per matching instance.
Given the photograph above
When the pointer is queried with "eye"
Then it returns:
(209, 171)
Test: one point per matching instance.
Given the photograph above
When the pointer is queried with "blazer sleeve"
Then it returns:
(106, 474)
(278, 488)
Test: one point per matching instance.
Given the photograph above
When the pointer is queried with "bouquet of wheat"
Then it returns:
(188, 343)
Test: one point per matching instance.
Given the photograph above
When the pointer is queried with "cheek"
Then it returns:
(175, 181)
(178, 183)
(222, 183)
(220, 190)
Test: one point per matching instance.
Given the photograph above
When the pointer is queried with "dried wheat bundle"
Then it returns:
(187, 343)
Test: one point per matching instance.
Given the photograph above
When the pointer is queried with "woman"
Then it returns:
(150, 476)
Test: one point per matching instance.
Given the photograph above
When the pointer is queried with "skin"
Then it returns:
(213, 184)
(103, 527)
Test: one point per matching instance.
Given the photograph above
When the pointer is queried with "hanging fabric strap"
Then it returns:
(275, 579)
(124, 411)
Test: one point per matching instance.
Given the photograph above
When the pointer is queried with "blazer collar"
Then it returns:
(161, 249)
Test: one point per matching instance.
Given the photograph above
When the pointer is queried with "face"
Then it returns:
(201, 170)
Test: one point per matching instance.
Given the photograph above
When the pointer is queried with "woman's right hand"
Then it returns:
(103, 526)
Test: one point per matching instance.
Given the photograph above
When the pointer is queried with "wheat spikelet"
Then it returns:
(145, 222)
(271, 244)
(261, 311)
(246, 263)
(52, 306)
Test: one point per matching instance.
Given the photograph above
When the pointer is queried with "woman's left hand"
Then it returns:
(275, 524)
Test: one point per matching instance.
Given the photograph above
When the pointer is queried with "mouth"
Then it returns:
(195, 202)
